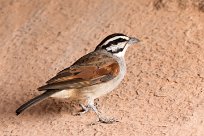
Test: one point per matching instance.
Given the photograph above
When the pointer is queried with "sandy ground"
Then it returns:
(161, 95)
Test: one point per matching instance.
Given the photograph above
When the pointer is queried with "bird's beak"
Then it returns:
(133, 40)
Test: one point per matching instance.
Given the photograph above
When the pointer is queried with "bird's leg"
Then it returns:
(101, 118)
(85, 109)
(89, 106)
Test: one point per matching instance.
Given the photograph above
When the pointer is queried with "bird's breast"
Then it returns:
(101, 89)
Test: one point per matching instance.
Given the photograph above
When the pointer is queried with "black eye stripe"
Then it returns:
(114, 42)
(117, 51)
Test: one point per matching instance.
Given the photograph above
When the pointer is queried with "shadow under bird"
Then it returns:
(91, 76)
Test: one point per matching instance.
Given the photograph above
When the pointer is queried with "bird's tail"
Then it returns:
(35, 100)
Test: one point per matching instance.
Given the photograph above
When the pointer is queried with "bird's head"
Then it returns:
(117, 44)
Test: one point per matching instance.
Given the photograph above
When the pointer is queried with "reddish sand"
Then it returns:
(161, 95)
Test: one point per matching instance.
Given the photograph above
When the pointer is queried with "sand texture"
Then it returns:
(161, 95)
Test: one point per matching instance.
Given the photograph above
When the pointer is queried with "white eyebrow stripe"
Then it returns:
(114, 38)
(113, 48)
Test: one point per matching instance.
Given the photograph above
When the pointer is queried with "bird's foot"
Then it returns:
(107, 120)
(102, 119)
(84, 110)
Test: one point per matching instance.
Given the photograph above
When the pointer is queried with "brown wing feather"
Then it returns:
(89, 70)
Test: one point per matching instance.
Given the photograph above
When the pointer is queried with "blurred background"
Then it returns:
(162, 93)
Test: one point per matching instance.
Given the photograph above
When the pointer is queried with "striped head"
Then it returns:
(117, 44)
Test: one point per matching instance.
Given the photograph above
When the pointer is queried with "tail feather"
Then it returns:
(35, 100)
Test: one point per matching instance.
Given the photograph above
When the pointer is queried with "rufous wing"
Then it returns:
(91, 69)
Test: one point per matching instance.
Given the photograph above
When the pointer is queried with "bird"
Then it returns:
(91, 76)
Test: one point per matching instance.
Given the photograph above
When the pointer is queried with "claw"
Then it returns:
(83, 111)
(107, 120)
(84, 108)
